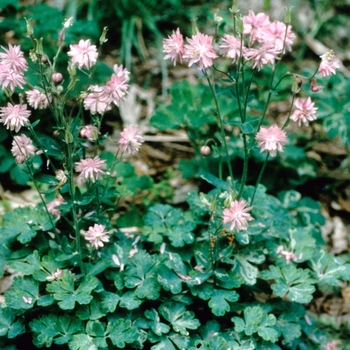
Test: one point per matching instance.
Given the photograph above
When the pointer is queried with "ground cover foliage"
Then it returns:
(114, 263)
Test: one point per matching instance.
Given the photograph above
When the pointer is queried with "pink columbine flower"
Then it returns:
(52, 207)
(328, 64)
(14, 116)
(200, 51)
(130, 140)
(174, 46)
(37, 99)
(305, 111)
(276, 32)
(255, 26)
(237, 215)
(116, 87)
(91, 168)
(89, 132)
(10, 79)
(97, 100)
(13, 57)
(97, 235)
(22, 148)
(266, 54)
(83, 54)
(271, 139)
(231, 47)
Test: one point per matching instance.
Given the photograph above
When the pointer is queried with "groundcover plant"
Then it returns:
(233, 269)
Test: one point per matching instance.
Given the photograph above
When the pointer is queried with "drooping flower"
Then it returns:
(328, 64)
(117, 87)
(237, 215)
(305, 111)
(91, 168)
(83, 54)
(130, 140)
(200, 50)
(13, 58)
(231, 47)
(14, 116)
(266, 54)
(97, 235)
(174, 47)
(271, 139)
(97, 100)
(89, 132)
(52, 207)
(37, 99)
(22, 148)
(288, 255)
(255, 26)
(10, 79)
(276, 32)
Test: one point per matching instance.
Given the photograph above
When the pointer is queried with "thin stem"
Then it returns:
(222, 131)
(259, 177)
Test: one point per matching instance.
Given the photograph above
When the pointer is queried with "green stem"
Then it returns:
(259, 177)
(222, 131)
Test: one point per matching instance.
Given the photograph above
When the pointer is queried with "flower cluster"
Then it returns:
(101, 98)
(262, 42)
(12, 68)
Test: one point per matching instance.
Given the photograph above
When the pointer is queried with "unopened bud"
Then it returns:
(57, 78)
(314, 87)
(288, 17)
(194, 26)
(205, 150)
(103, 36)
(30, 29)
(44, 59)
(296, 84)
(217, 18)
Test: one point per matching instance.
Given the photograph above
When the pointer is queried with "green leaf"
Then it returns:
(169, 280)
(256, 320)
(157, 327)
(296, 284)
(23, 224)
(130, 301)
(91, 311)
(141, 273)
(216, 182)
(179, 317)
(82, 342)
(121, 332)
(23, 293)
(109, 301)
(63, 290)
(53, 328)
(219, 301)
(329, 269)
(8, 326)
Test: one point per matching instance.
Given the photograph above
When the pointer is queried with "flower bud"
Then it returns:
(103, 36)
(205, 150)
(297, 82)
(314, 87)
(57, 78)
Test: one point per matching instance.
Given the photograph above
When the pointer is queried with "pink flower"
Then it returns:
(37, 99)
(52, 207)
(14, 116)
(9, 78)
(266, 54)
(305, 111)
(231, 47)
(22, 148)
(97, 101)
(200, 51)
(97, 235)
(91, 168)
(89, 132)
(117, 86)
(276, 32)
(130, 141)
(83, 54)
(13, 57)
(315, 87)
(255, 25)
(237, 215)
(174, 46)
(328, 64)
(271, 139)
